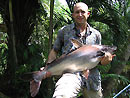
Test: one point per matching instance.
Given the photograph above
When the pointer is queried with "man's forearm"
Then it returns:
(52, 56)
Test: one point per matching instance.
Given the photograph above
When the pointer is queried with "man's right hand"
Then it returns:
(86, 73)
(52, 56)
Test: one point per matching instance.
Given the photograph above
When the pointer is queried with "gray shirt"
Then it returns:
(63, 44)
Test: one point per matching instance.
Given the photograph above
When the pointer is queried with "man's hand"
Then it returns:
(107, 58)
(86, 73)
(41, 69)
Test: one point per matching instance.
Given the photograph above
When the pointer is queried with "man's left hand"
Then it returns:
(107, 58)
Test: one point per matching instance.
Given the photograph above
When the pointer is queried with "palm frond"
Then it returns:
(116, 77)
(71, 3)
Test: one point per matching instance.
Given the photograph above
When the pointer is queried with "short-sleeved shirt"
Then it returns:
(63, 44)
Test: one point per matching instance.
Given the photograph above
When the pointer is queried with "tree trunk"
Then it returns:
(19, 17)
(51, 24)
(12, 48)
(50, 83)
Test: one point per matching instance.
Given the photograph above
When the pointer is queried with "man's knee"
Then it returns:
(68, 86)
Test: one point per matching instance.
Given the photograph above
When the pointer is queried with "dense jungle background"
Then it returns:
(28, 29)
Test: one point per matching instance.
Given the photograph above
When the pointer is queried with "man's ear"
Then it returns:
(88, 13)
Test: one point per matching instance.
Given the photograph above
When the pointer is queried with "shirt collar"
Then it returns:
(78, 32)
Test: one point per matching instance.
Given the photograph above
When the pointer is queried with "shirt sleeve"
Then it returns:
(59, 41)
(98, 38)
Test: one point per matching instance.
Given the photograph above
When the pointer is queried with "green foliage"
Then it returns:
(121, 81)
(103, 17)
(107, 18)
(3, 57)
(118, 78)
(1, 19)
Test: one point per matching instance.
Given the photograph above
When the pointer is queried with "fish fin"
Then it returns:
(76, 43)
(34, 87)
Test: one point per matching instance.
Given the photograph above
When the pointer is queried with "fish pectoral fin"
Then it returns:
(76, 43)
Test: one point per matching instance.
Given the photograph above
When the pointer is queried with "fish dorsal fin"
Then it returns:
(76, 43)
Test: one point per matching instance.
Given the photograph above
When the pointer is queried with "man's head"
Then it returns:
(80, 13)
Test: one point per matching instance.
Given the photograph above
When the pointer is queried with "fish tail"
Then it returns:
(35, 79)
(36, 82)
(34, 87)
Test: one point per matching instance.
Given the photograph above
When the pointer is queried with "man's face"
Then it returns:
(80, 13)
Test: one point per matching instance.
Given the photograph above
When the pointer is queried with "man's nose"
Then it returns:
(80, 14)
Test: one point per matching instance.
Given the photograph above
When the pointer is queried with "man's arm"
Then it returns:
(108, 56)
(52, 56)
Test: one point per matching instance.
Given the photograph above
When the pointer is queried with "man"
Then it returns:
(69, 85)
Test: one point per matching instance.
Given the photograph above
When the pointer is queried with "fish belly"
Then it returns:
(73, 65)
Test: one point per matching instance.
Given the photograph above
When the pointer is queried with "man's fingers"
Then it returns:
(108, 56)
(113, 55)
(86, 73)
(42, 68)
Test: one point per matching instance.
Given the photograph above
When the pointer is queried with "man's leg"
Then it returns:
(92, 93)
(68, 86)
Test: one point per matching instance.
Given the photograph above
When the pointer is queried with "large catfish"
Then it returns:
(84, 57)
